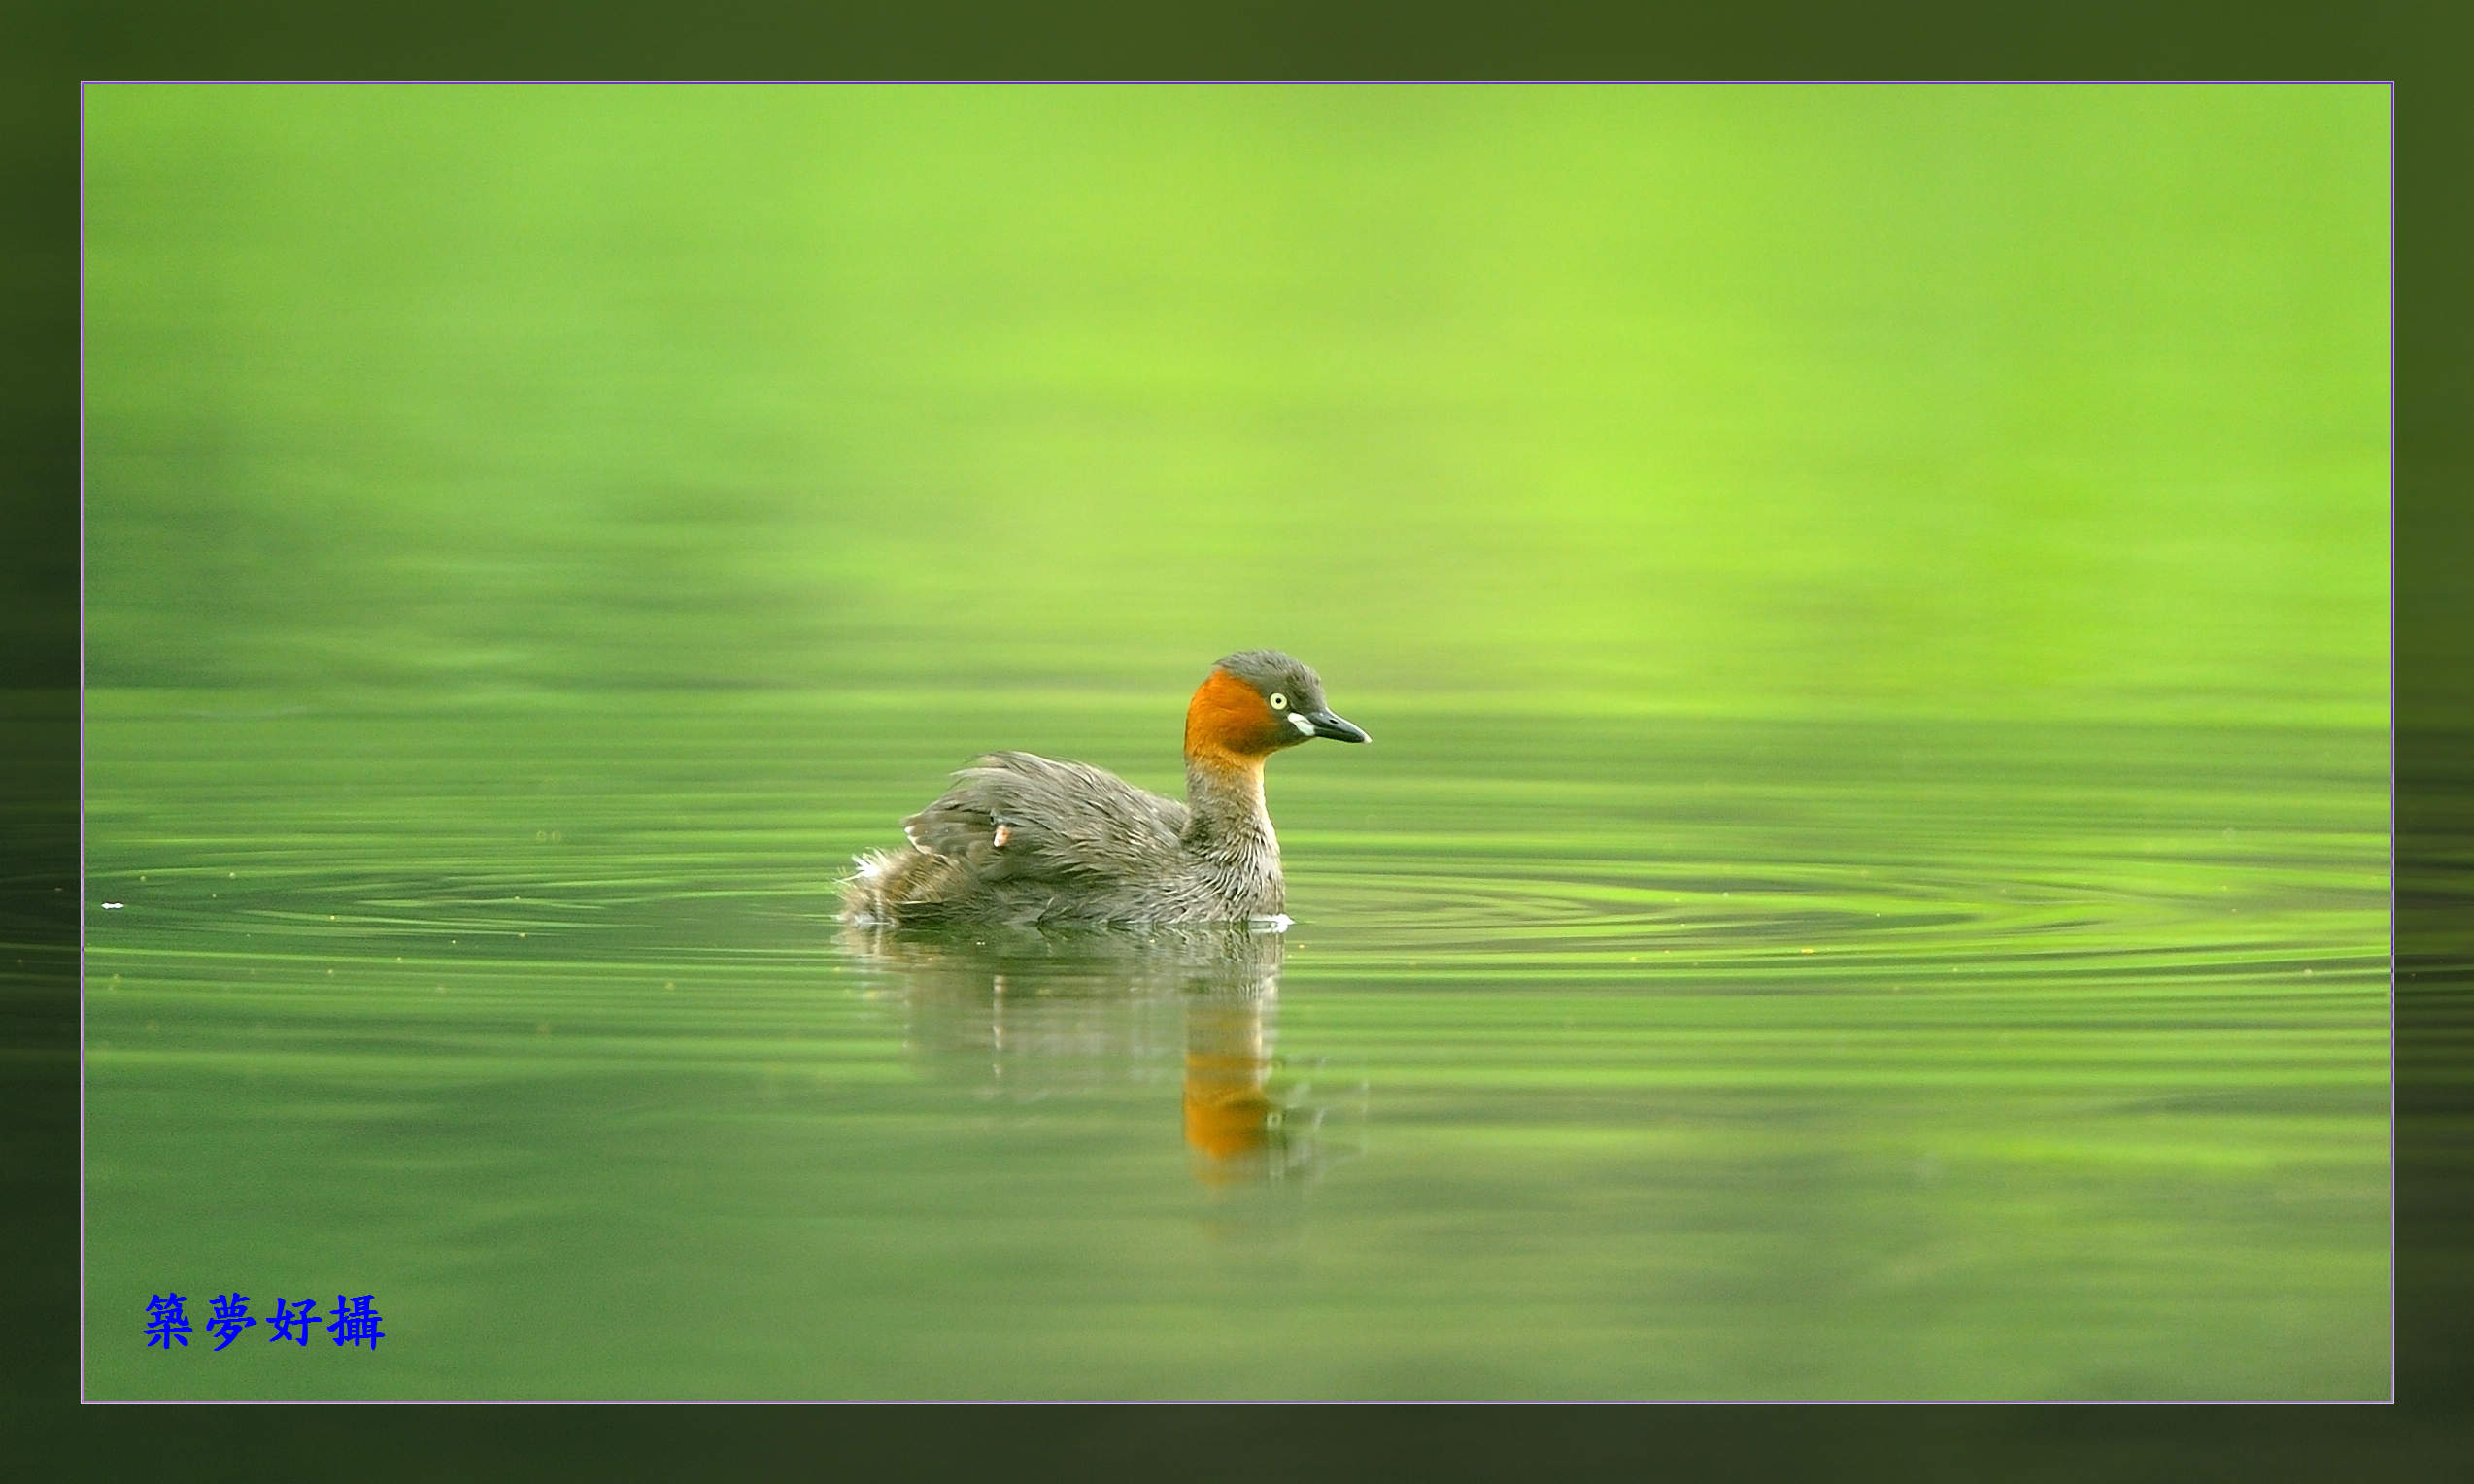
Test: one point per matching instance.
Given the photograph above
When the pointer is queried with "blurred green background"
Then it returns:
(1999, 401)
(1872, 602)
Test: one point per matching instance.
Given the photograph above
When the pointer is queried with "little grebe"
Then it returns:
(1026, 839)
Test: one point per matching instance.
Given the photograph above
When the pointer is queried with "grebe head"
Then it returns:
(1257, 701)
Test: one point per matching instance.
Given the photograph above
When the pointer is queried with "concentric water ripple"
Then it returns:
(1731, 1030)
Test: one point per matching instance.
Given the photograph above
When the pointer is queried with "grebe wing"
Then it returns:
(1013, 814)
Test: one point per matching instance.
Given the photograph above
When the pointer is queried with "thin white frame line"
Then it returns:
(81, 1161)
(1202, 1402)
(2392, 983)
(934, 82)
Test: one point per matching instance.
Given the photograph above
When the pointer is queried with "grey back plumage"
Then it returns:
(1054, 819)
(1025, 839)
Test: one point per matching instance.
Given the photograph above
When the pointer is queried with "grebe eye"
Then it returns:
(1279, 702)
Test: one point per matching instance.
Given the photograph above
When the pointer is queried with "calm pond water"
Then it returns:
(1613, 1056)
(1872, 879)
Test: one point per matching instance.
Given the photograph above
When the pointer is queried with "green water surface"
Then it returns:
(1872, 879)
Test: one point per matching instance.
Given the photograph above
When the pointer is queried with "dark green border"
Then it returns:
(2414, 44)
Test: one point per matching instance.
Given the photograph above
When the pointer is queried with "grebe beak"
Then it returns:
(1329, 725)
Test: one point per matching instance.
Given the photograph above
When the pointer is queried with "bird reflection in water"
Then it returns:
(1029, 1015)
